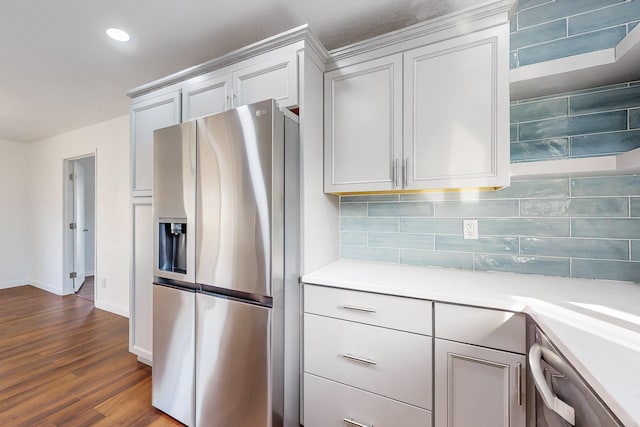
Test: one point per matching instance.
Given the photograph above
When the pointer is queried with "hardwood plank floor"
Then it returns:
(87, 289)
(65, 363)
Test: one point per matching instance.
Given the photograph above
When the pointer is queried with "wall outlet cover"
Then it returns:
(470, 229)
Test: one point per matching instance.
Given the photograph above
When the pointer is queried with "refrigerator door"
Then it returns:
(232, 363)
(173, 383)
(239, 238)
(174, 202)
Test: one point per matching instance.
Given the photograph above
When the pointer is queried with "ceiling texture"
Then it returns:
(59, 71)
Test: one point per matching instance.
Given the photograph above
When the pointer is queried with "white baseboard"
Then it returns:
(47, 287)
(13, 283)
(120, 311)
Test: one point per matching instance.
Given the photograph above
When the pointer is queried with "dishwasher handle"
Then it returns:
(550, 399)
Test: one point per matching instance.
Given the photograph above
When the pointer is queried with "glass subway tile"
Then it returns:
(607, 100)
(369, 254)
(495, 245)
(401, 209)
(537, 110)
(604, 143)
(523, 264)
(570, 46)
(628, 271)
(560, 9)
(463, 261)
(353, 209)
(569, 126)
(625, 185)
(587, 207)
(575, 248)
(401, 240)
(607, 228)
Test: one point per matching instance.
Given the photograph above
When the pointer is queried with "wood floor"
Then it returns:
(86, 291)
(65, 363)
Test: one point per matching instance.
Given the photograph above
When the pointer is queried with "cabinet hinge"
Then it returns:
(73, 226)
(73, 275)
(72, 176)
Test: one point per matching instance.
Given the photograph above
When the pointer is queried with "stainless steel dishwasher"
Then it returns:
(562, 397)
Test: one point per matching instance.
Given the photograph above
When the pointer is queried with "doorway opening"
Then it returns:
(80, 226)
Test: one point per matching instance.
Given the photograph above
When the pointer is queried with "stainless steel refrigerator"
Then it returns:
(226, 309)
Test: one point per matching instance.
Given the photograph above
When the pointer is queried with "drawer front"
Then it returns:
(392, 363)
(400, 313)
(501, 330)
(328, 404)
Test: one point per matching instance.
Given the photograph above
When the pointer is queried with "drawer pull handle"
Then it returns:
(355, 423)
(356, 308)
(359, 359)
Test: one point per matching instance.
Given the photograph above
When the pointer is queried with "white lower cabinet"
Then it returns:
(359, 368)
(392, 363)
(476, 386)
(479, 381)
(331, 404)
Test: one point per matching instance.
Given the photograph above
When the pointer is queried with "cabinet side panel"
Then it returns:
(142, 278)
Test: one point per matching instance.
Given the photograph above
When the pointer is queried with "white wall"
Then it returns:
(88, 165)
(14, 241)
(110, 141)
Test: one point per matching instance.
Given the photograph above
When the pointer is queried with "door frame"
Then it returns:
(68, 240)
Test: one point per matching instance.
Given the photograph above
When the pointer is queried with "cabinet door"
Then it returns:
(141, 304)
(202, 97)
(266, 78)
(363, 126)
(477, 386)
(148, 115)
(456, 100)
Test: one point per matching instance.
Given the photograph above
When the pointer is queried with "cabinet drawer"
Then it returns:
(328, 404)
(400, 313)
(501, 330)
(387, 362)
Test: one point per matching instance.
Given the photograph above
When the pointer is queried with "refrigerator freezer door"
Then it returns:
(232, 363)
(239, 237)
(173, 385)
(174, 202)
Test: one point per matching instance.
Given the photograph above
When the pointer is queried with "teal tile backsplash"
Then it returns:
(595, 122)
(543, 30)
(571, 227)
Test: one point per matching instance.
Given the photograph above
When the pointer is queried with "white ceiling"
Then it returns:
(59, 71)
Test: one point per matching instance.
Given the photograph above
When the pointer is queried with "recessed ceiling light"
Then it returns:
(117, 34)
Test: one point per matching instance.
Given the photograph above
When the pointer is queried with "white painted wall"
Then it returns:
(88, 165)
(110, 141)
(14, 241)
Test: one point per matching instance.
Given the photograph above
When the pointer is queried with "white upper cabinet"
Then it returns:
(147, 115)
(431, 117)
(363, 126)
(206, 95)
(456, 100)
(263, 77)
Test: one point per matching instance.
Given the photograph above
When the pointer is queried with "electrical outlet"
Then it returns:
(470, 229)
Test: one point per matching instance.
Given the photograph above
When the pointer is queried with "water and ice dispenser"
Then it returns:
(172, 247)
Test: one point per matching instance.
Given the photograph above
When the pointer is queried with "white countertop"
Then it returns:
(594, 323)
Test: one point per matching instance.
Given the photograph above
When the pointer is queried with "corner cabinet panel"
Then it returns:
(275, 78)
(476, 386)
(456, 100)
(363, 126)
(141, 309)
(205, 95)
(147, 115)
